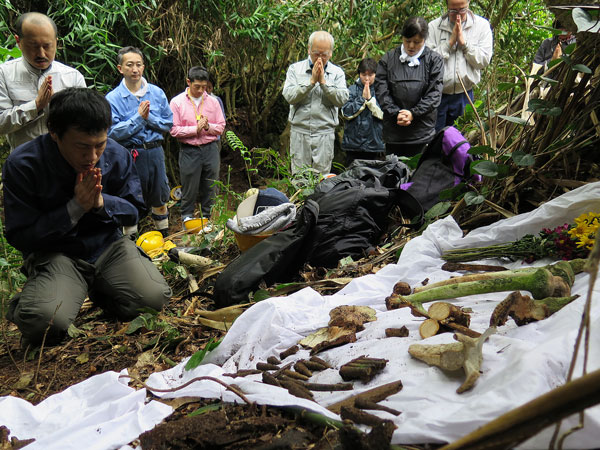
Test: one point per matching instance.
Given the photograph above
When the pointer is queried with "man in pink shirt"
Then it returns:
(197, 123)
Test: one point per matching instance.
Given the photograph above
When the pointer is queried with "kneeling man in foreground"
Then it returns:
(67, 195)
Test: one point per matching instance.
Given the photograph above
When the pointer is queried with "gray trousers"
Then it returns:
(121, 281)
(314, 151)
(198, 170)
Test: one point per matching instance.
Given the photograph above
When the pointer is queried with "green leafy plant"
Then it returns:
(206, 409)
(411, 161)
(91, 33)
(271, 163)
(6, 53)
(11, 277)
(170, 268)
(235, 143)
(197, 357)
(304, 181)
(149, 319)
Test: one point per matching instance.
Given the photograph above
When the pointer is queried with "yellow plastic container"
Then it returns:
(246, 241)
(195, 224)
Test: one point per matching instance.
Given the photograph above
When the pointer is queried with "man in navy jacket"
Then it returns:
(66, 196)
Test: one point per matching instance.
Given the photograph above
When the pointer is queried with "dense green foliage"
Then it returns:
(249, 44)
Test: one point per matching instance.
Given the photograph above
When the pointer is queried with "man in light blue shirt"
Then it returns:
(140, 117)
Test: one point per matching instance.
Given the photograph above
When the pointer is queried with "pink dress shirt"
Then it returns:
(185, 128)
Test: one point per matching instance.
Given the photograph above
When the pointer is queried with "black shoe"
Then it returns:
(26, 345)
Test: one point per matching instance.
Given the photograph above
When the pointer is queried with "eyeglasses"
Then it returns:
(320, 54)
(458, 11)
(132, 65)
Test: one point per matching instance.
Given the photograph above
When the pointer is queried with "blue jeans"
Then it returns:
(150, 166)
(451, 108)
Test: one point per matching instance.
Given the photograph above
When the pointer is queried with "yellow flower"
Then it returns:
(580, 229)
(584, 231)
(584, 241)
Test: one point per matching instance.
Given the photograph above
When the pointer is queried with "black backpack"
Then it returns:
(344, 217)
(353, 212)
(444, 163)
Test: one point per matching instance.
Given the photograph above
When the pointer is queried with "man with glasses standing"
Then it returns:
(466, 43)
(140, 118)
(315, 88)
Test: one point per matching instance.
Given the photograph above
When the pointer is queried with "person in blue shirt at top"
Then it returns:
(67, 195)
(141, 115)
(363, 131)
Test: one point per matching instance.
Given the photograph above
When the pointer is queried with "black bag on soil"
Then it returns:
(344, 217)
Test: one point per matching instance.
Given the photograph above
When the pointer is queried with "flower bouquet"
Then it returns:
(565, 242)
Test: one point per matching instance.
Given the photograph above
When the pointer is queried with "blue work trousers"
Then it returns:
(451, 108)
(150, 166)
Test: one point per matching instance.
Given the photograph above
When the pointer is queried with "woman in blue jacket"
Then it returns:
(363, 132)
(408, 85)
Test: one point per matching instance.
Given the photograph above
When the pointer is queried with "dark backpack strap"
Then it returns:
(456, 147)
(408, 203)
(446, 159)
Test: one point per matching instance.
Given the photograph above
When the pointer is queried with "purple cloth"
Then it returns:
(459, 158)
(452, 137)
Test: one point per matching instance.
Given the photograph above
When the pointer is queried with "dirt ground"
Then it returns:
(99, 343)
(252, 427)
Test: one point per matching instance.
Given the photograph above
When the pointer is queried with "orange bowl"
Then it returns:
(246, 241)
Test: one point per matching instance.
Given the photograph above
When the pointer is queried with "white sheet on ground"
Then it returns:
(519, 363)
(99, 413)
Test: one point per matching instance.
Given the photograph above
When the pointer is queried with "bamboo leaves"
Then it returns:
(582, 68)
(544, 107)
(523, 159)
(512, 119)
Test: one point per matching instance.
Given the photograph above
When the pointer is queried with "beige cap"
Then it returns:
(246, 208)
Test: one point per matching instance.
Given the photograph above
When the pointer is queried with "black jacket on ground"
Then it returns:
(363, 133)
(418, 89)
